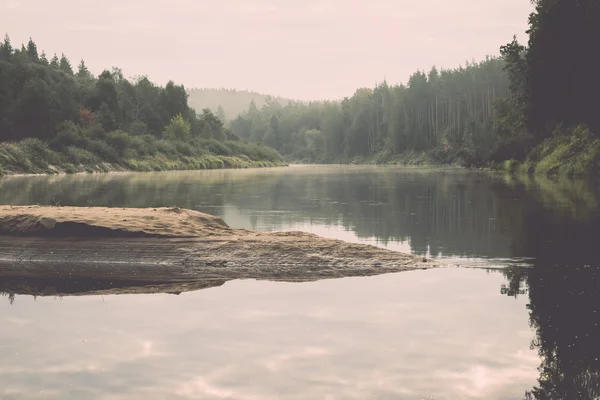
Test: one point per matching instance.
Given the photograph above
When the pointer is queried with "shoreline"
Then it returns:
(114, 168)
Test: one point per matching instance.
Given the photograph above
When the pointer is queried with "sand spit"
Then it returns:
(170, 245)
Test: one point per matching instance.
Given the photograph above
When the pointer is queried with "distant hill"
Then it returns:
(234, 102)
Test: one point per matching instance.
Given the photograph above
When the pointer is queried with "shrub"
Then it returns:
(119, 140)
(77, 155)
(69, 134)
(214, 146)
(144, 145)
(185, 149)
(103, 150)
(166, 147)
(40, 152)
(178, 129)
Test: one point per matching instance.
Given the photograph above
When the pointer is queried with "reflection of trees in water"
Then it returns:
(454, 213)
(564, 296)
(9, 295)
(60, 287)
(564, 304)
(450, 213)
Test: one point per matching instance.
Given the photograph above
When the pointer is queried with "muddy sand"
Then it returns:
(171, 245)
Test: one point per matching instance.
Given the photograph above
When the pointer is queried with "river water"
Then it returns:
(518, 316)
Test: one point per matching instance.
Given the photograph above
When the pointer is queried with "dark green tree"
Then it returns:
(54, 63)
(65, 65)
(43, 59)
(82, 71)
(562, 67)
(106, 117)
(32, 51)
(6, 49)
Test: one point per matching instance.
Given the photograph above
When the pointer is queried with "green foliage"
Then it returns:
(569, 152)
(56, 120)
(119, 140)
(450, 111)
(178, 128)
(77, 155)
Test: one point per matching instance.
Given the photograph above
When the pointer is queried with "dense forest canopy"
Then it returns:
(66, 116)
(451, 111)
(37, 95)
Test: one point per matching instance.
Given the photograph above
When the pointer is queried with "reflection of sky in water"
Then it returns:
(444, 333)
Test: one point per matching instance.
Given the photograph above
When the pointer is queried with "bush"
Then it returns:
(104, 151)
(178, 128)
(119, 140)
(14, 158)
(144, 145)
(40, 152)
(214, 146)
(574, 152)
(185, 149)
(69, 134)
(77, 155)
(166, 147)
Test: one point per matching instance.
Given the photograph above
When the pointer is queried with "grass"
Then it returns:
(119, 151)
(572, 152)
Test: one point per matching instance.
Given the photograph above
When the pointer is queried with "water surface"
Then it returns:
(527, 317)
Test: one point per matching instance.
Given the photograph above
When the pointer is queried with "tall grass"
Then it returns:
(78, 150)
(569, 152)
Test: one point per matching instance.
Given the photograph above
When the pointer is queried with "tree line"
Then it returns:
(534, 104)
(86, 119)
(451, 111)
(37, 95)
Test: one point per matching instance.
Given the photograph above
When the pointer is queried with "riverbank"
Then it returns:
(408, 158)
(573, 152)
(174, 245)
(33, 156)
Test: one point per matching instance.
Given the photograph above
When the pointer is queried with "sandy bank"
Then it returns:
(174, 245)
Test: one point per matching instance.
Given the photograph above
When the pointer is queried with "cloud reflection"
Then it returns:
(442, 333)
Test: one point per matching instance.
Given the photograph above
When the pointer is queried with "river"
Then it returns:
(516, 315)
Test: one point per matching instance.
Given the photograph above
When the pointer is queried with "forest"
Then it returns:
(56, 118)
(447, 113)
(530, 109)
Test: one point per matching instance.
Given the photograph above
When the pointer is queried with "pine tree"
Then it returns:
(54, 62)
(106, 118)
(82, 70)
(44, 59)
(6, 49)
(32, 51)
(65, 65)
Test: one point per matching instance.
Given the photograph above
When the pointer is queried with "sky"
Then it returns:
(302, 49)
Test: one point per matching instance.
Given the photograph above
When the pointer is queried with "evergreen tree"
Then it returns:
(6, 49)
(82, 70)
(54, 63)
(562, 67)
(65, 65)
(106, 118)
(44, 59)
(32, 51)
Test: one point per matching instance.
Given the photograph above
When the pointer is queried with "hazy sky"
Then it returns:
(305, 49)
